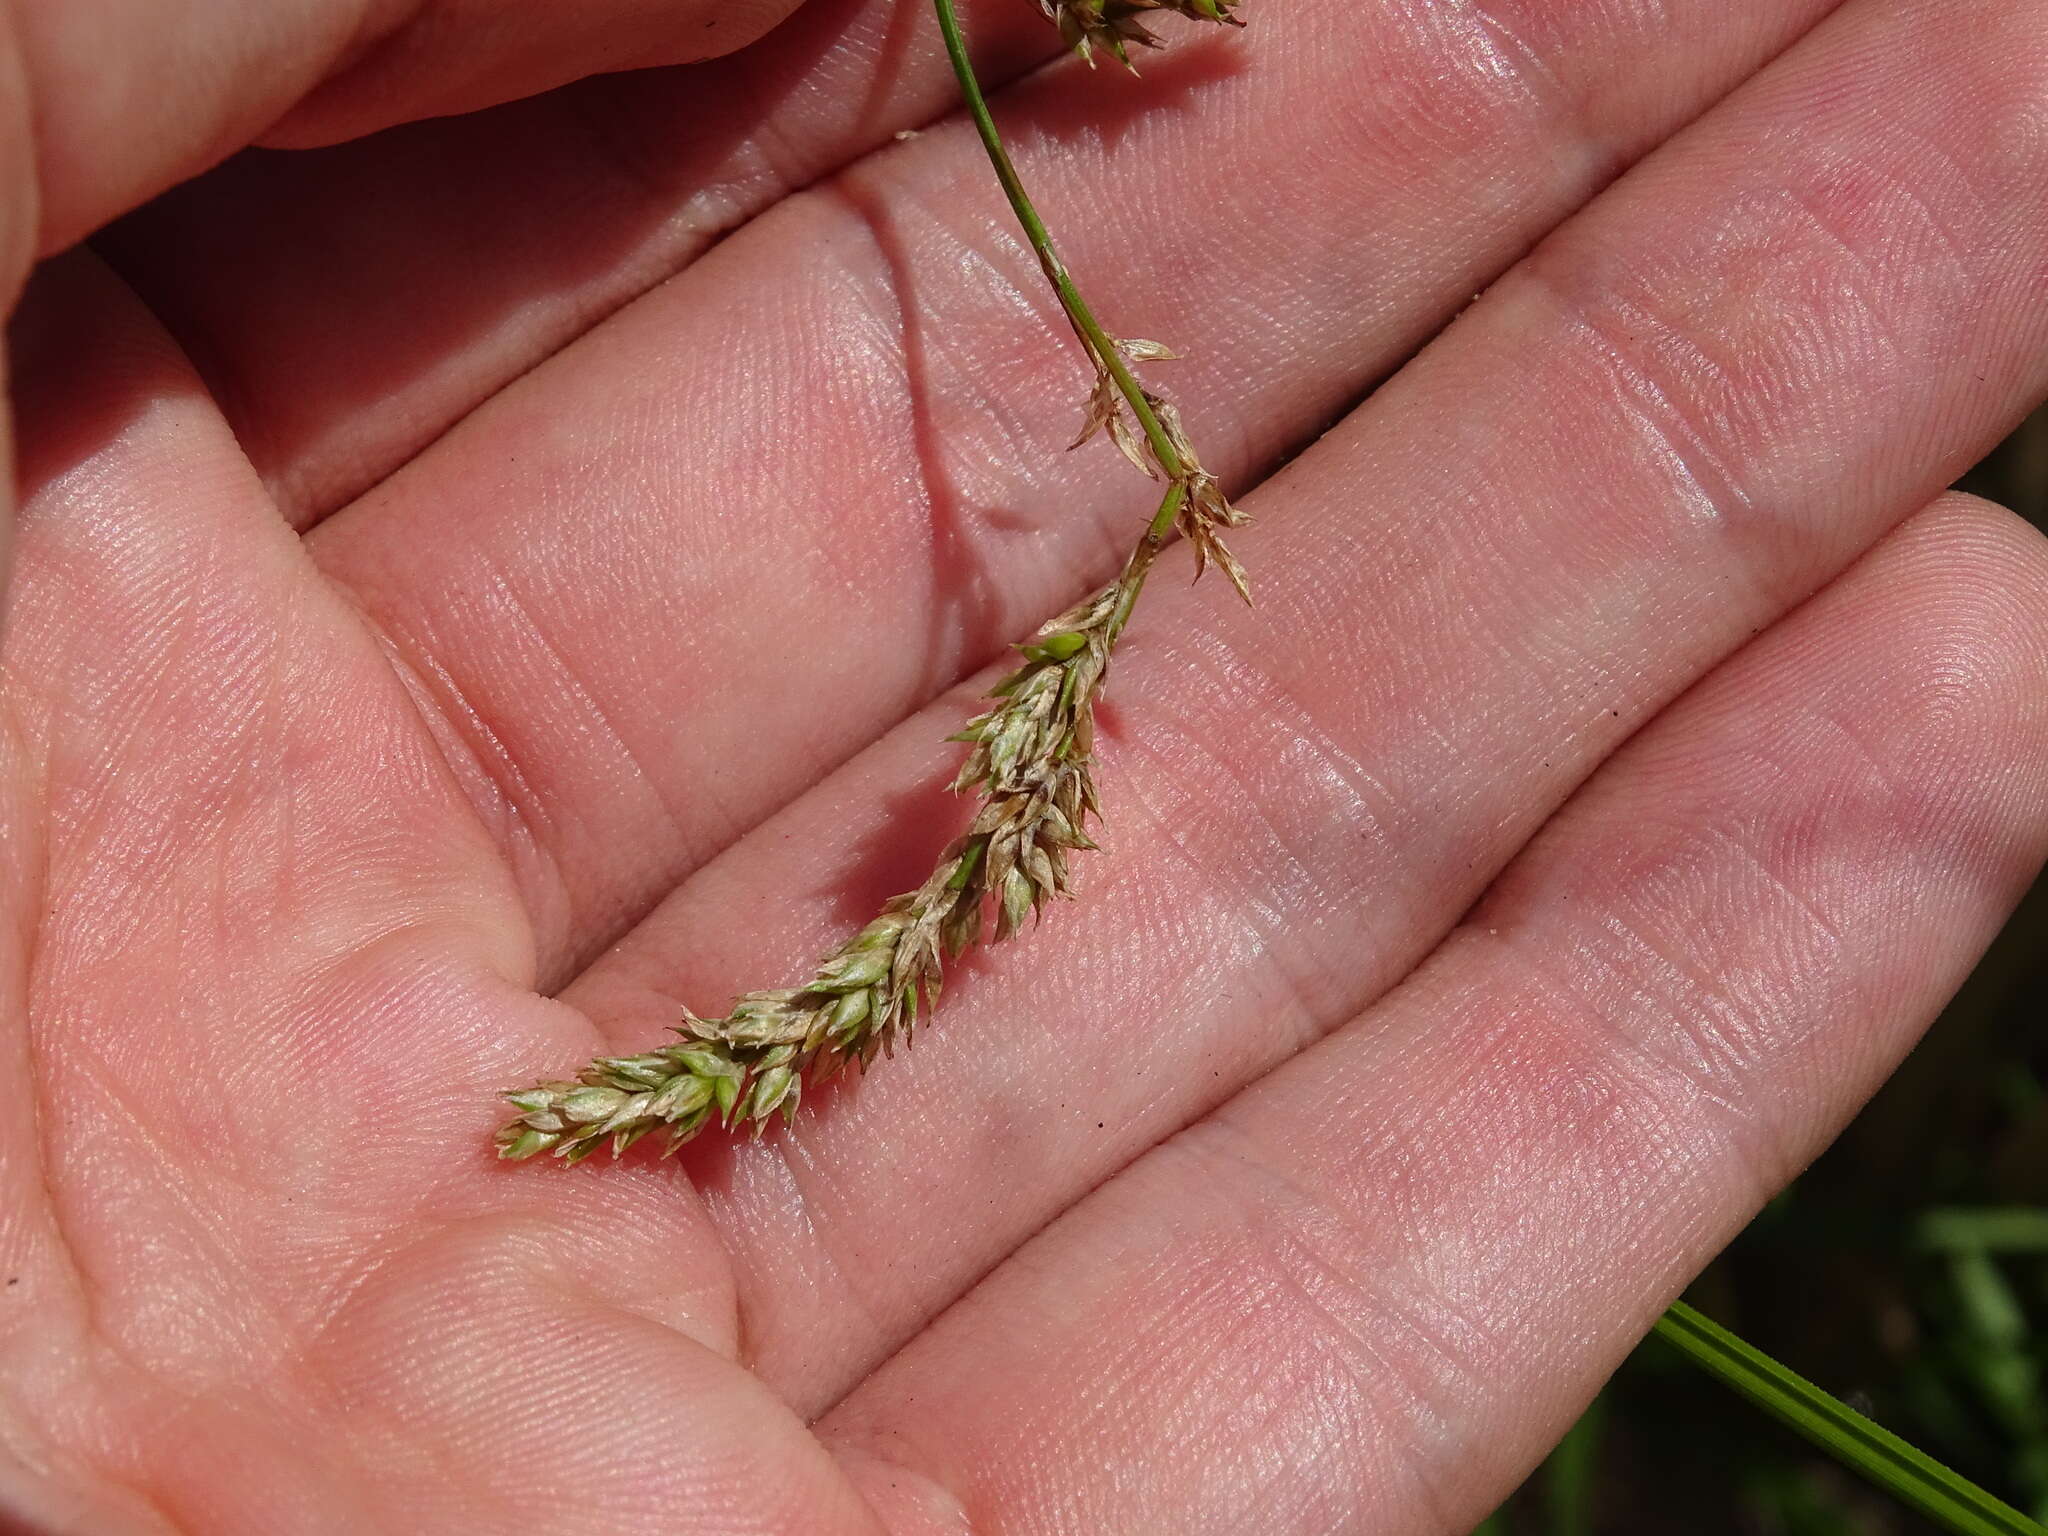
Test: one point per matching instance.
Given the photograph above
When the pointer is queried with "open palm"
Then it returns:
(462, 607)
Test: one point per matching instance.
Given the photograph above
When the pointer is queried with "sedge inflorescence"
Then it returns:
(1030, 763)
(1114, 25)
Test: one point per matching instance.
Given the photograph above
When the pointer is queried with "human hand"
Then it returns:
(425, 604)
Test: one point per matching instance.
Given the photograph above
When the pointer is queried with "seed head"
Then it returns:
(1116, 24)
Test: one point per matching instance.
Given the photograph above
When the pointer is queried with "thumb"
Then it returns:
(118, 99)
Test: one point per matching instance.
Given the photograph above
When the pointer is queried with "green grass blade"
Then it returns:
(1572, 1473)
(1866, 1448)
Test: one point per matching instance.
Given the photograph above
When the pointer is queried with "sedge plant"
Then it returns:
(1029, 763)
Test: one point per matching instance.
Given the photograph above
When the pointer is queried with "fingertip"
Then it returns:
(1947, 638)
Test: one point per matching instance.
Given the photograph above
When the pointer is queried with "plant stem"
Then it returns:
(1093, 337)
(1865, 1447)
(1132, 581)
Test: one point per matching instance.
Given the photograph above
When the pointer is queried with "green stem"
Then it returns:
(1132, 582)
(1091, 332)
(970, 859)
(1866, 1448)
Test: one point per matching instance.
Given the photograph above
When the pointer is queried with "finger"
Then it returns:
(839, 426)
(1371, 1291)
(134, 95)
(341, 342)
(1689, 408)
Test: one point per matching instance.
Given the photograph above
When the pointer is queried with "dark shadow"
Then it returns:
(1170, 84)
(81, 369)
(967, 600)
(902, 849)
(895, 856)
(383, 262)
(384, 257)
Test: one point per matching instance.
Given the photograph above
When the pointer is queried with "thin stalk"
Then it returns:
(1092, 335)
(1866, 1448)
(1132, 582)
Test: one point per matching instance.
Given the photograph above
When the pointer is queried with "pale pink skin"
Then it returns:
(459, 612)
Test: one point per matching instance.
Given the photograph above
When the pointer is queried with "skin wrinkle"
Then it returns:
(1536, 1073)
(872, 1470)
(1273, 1219)
(1418, 1328)
(1997, 170)
(1629, 338)
(62, 1246)
(488, 774)
(1525, 60)
(540, 1246)
(831, 184)
(1540, 959)
(894, 1329)
(94, 1323)
(1750, 1141)
(1308, 1432)
(1699, 477)
(1234, 677)
(99, 1345)
(991, 1111)
(928, 472)
(1286, 881)
(91, 1077)
(1237, 675)
(508, 807)
(1887, 791)
(1206, 1283)
(1164, 819)
(1267, 1242)
(23, 1249)
(1687, 434)
(801, 1174)
(506, 595)
(1487, 107)
(1874, 337)
(1938, 872)
(1712, 1034)
(1916, 233)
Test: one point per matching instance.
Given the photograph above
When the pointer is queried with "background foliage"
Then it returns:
(1906, 1272)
